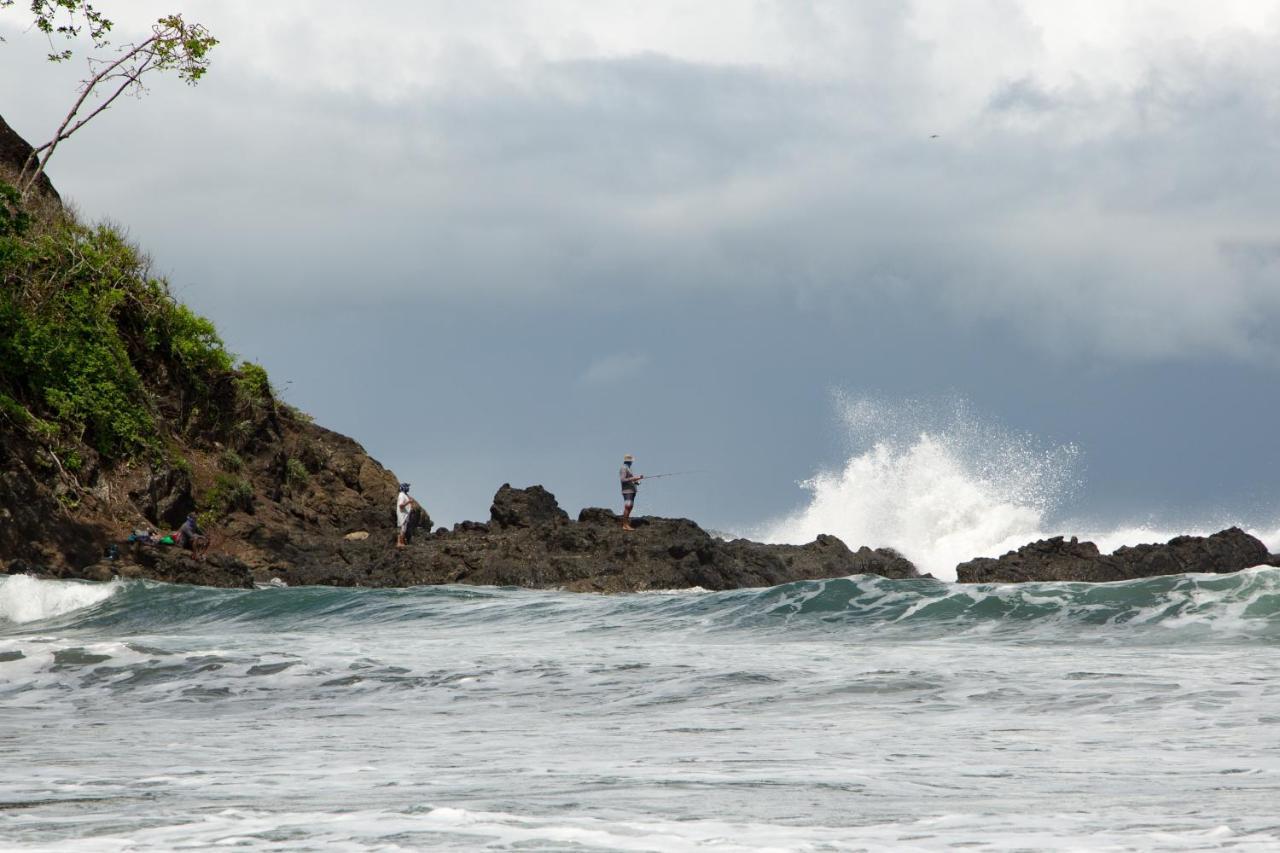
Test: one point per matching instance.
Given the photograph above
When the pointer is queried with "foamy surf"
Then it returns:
(849, 713)
(25, 599)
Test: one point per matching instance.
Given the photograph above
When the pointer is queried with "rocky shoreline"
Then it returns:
(530, 542)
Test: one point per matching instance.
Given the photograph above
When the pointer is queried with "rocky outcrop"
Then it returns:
(530, 542)
(531, 507)
(14, 151)
(337, 529)
(1058, 559)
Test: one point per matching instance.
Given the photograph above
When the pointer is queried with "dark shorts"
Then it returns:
(628, 498)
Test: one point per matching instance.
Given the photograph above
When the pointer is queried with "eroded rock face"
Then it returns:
(1070, 560)
(166, 497)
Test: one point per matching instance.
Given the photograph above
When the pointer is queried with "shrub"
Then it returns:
(193, 342)
(13, 410)
(227, 495)
(72, 461)
(295, 473)
(297, 414)
(85, 331)
(230, 460)
(253, 382)
(13, 219)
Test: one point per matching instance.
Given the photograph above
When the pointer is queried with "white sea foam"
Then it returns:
(936, 483)
(25, 599)
(1270, 538)
(942, 486)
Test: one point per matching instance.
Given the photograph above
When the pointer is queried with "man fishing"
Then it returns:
(630, 483)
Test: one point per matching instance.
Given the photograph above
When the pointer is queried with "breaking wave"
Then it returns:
(941, 485)
(24, 599)
(1249, 599)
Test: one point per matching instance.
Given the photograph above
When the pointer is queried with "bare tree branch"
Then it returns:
(174, 45)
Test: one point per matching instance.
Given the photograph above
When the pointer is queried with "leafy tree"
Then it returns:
(174, 45)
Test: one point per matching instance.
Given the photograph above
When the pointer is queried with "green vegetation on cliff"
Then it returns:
(95, 351)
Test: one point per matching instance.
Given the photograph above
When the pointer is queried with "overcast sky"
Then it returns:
(500, 241)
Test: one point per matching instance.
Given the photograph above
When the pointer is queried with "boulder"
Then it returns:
(531, 507)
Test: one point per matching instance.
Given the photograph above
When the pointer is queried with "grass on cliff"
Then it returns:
(95, 350)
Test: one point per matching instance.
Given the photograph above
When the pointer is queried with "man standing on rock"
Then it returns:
(630, 482)
(404, 513)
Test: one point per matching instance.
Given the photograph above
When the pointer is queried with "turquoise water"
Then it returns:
(835, 715)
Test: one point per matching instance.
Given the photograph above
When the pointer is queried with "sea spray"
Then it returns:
(935, 482)
(943, 485)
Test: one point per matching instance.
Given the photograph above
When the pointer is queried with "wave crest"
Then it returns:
(25, 599)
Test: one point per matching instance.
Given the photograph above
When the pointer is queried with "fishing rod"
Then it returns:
(671, 474)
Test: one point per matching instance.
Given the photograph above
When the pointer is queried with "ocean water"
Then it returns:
(848, 714)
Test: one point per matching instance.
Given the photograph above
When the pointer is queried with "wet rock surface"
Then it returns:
(1060, 559)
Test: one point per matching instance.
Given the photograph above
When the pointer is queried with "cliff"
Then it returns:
(120, 408)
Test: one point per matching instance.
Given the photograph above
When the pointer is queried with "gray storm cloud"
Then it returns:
(1124, 215)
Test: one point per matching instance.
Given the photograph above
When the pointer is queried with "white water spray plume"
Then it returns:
(942, 485)
(935, 482)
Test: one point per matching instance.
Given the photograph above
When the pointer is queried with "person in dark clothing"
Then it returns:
(191, 537)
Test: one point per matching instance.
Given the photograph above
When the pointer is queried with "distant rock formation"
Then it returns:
(1059, 559)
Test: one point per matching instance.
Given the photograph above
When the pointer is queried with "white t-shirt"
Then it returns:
(404, 504)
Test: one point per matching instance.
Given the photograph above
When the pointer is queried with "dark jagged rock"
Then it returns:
(531, 507)
(14, 151)
(530, 542)
(1048, 559)
(1070, 560)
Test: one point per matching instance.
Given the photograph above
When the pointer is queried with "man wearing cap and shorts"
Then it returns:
(629, 485)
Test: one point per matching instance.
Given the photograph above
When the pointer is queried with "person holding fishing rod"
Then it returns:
(630, 482)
